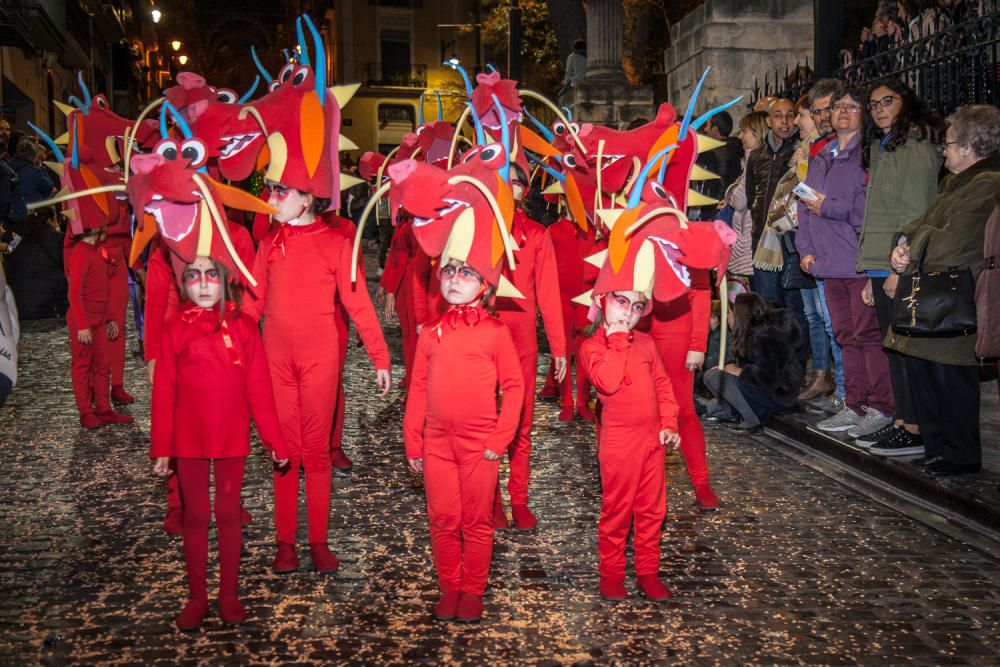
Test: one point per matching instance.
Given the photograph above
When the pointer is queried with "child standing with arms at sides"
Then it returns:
(211, 375)
(638, 418)
(91, 329)
(455, 434)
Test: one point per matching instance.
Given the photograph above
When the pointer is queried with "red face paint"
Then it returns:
(193, 276)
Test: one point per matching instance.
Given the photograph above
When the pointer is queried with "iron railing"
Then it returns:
(390, 74)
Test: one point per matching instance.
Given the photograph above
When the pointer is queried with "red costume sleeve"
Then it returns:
(664, 393)
(161, 301)
(395, 264)
(605, 364)
(416, 400)
(76, 270)
(161, 431)
(253, 304)
(260, 395)
(359, 306)
(510, 377)
(548, 295)
(700, 302)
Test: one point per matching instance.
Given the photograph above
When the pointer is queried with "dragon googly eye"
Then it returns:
(193, 150)
(226, 96)
(300, 76)
(101, 102)
(274, 86)
(492, 153)
(574, 128)
(658, 190)
(569, 160)
(286, 72)
(167, 148)
(559, 129)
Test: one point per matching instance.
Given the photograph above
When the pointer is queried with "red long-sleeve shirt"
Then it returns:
(301, 271)
(457, 370)
(537, 278)
(88, 273)
(687, 315)
(402, 251)
(209, 381)
(630, 379)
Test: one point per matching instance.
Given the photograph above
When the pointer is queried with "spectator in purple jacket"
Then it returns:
(827, 242)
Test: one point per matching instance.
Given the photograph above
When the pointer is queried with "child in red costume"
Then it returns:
(211, 375)
(396, 290)
(455, 436)
(118, 243)
(91, 326)
(638, 418)
(537, 279)
(680, 330)
(302, 267)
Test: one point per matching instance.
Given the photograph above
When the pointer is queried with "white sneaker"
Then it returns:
(871, 422)
(841, 421)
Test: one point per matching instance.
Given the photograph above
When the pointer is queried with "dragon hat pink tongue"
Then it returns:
(174, 220)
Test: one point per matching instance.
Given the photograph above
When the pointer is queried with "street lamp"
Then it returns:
(156, 14)
(183, 60)
(176, 45)
(454, 61)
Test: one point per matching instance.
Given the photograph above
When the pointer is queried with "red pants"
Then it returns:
(116, 348)
(337, 430)
(566, 386)
(408, 327)
(519, 452)
(460, 487)
(633, 486)
(306, 381)
(89, 369)
(192, 475)
(673, 352)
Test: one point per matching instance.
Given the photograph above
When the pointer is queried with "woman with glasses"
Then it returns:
(903, 160)
(830, 217)
(943, 372)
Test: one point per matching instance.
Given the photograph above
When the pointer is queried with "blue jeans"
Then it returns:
(819, 342)
(838, 358)
(767, 284)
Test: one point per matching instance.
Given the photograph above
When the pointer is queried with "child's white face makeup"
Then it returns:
(203, 282)
(624, 308)
(460, 284)
(291, 203)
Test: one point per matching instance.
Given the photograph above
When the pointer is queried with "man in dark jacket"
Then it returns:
(769, 161)
(33, 183)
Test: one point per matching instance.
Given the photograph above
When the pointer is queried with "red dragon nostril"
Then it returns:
(190, 80)
(399, 171)
(143, 164)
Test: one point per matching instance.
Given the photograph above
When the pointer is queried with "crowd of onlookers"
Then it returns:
(848, 199)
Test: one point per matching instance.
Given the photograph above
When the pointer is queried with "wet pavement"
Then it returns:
(794, 569)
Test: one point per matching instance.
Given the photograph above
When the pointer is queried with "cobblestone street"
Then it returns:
(794, 568)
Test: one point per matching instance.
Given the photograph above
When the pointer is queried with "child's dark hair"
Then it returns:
(319, 205)
(749, 310)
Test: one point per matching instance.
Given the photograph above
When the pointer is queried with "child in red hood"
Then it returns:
(211, 375)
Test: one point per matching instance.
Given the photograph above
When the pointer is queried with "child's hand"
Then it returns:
(490, 455)
(694, 360)
(390, 307)
(112, 330)
(383, 378)
(162, 466)
(280, 463)
(616, 327)
(380, 295)
(85, 336)
(417, 465)
(560, 364)
(669, 437)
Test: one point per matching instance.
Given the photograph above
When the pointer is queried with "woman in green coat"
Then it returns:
(904, 161)
(943, 373)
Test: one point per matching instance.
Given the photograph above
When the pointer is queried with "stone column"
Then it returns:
(604, 40)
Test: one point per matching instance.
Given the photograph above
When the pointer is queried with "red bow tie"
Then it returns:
(279, 242)
(467, 315)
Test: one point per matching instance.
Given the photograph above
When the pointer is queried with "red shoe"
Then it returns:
(119, 395)
(470, 608)
(323, 559)
(91, 421)
(651, 587)
(112, 417)
(173, 522)
(447, 607)
(548, 393)
(231, 610)
(499, 518)
(192, 616)
(705, 497)
(613, 589)
(523, 518)
(285, 560)
(567, 414)
(245, 517)
(586, 414)
(340, 461)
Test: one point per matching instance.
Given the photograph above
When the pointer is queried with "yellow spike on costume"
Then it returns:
(347, 181)
(67, 109)
(706, 144)
(555, 189)
(69, 213)
(702, 174)
(506, 288)
(55, 166)
(597, 259)
(697, 199)
(62, 139)
(585, 299)
(459, 242)
(345, 144)
(204, 231)
(622, 201)
(344, 93)
(609, 216)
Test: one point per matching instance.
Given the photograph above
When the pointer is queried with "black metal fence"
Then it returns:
(953, 67)
(395, 74)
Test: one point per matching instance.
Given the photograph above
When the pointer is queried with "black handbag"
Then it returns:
(792, 276)
(935, 304)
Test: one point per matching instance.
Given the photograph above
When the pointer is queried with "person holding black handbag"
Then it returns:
(941, 366)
